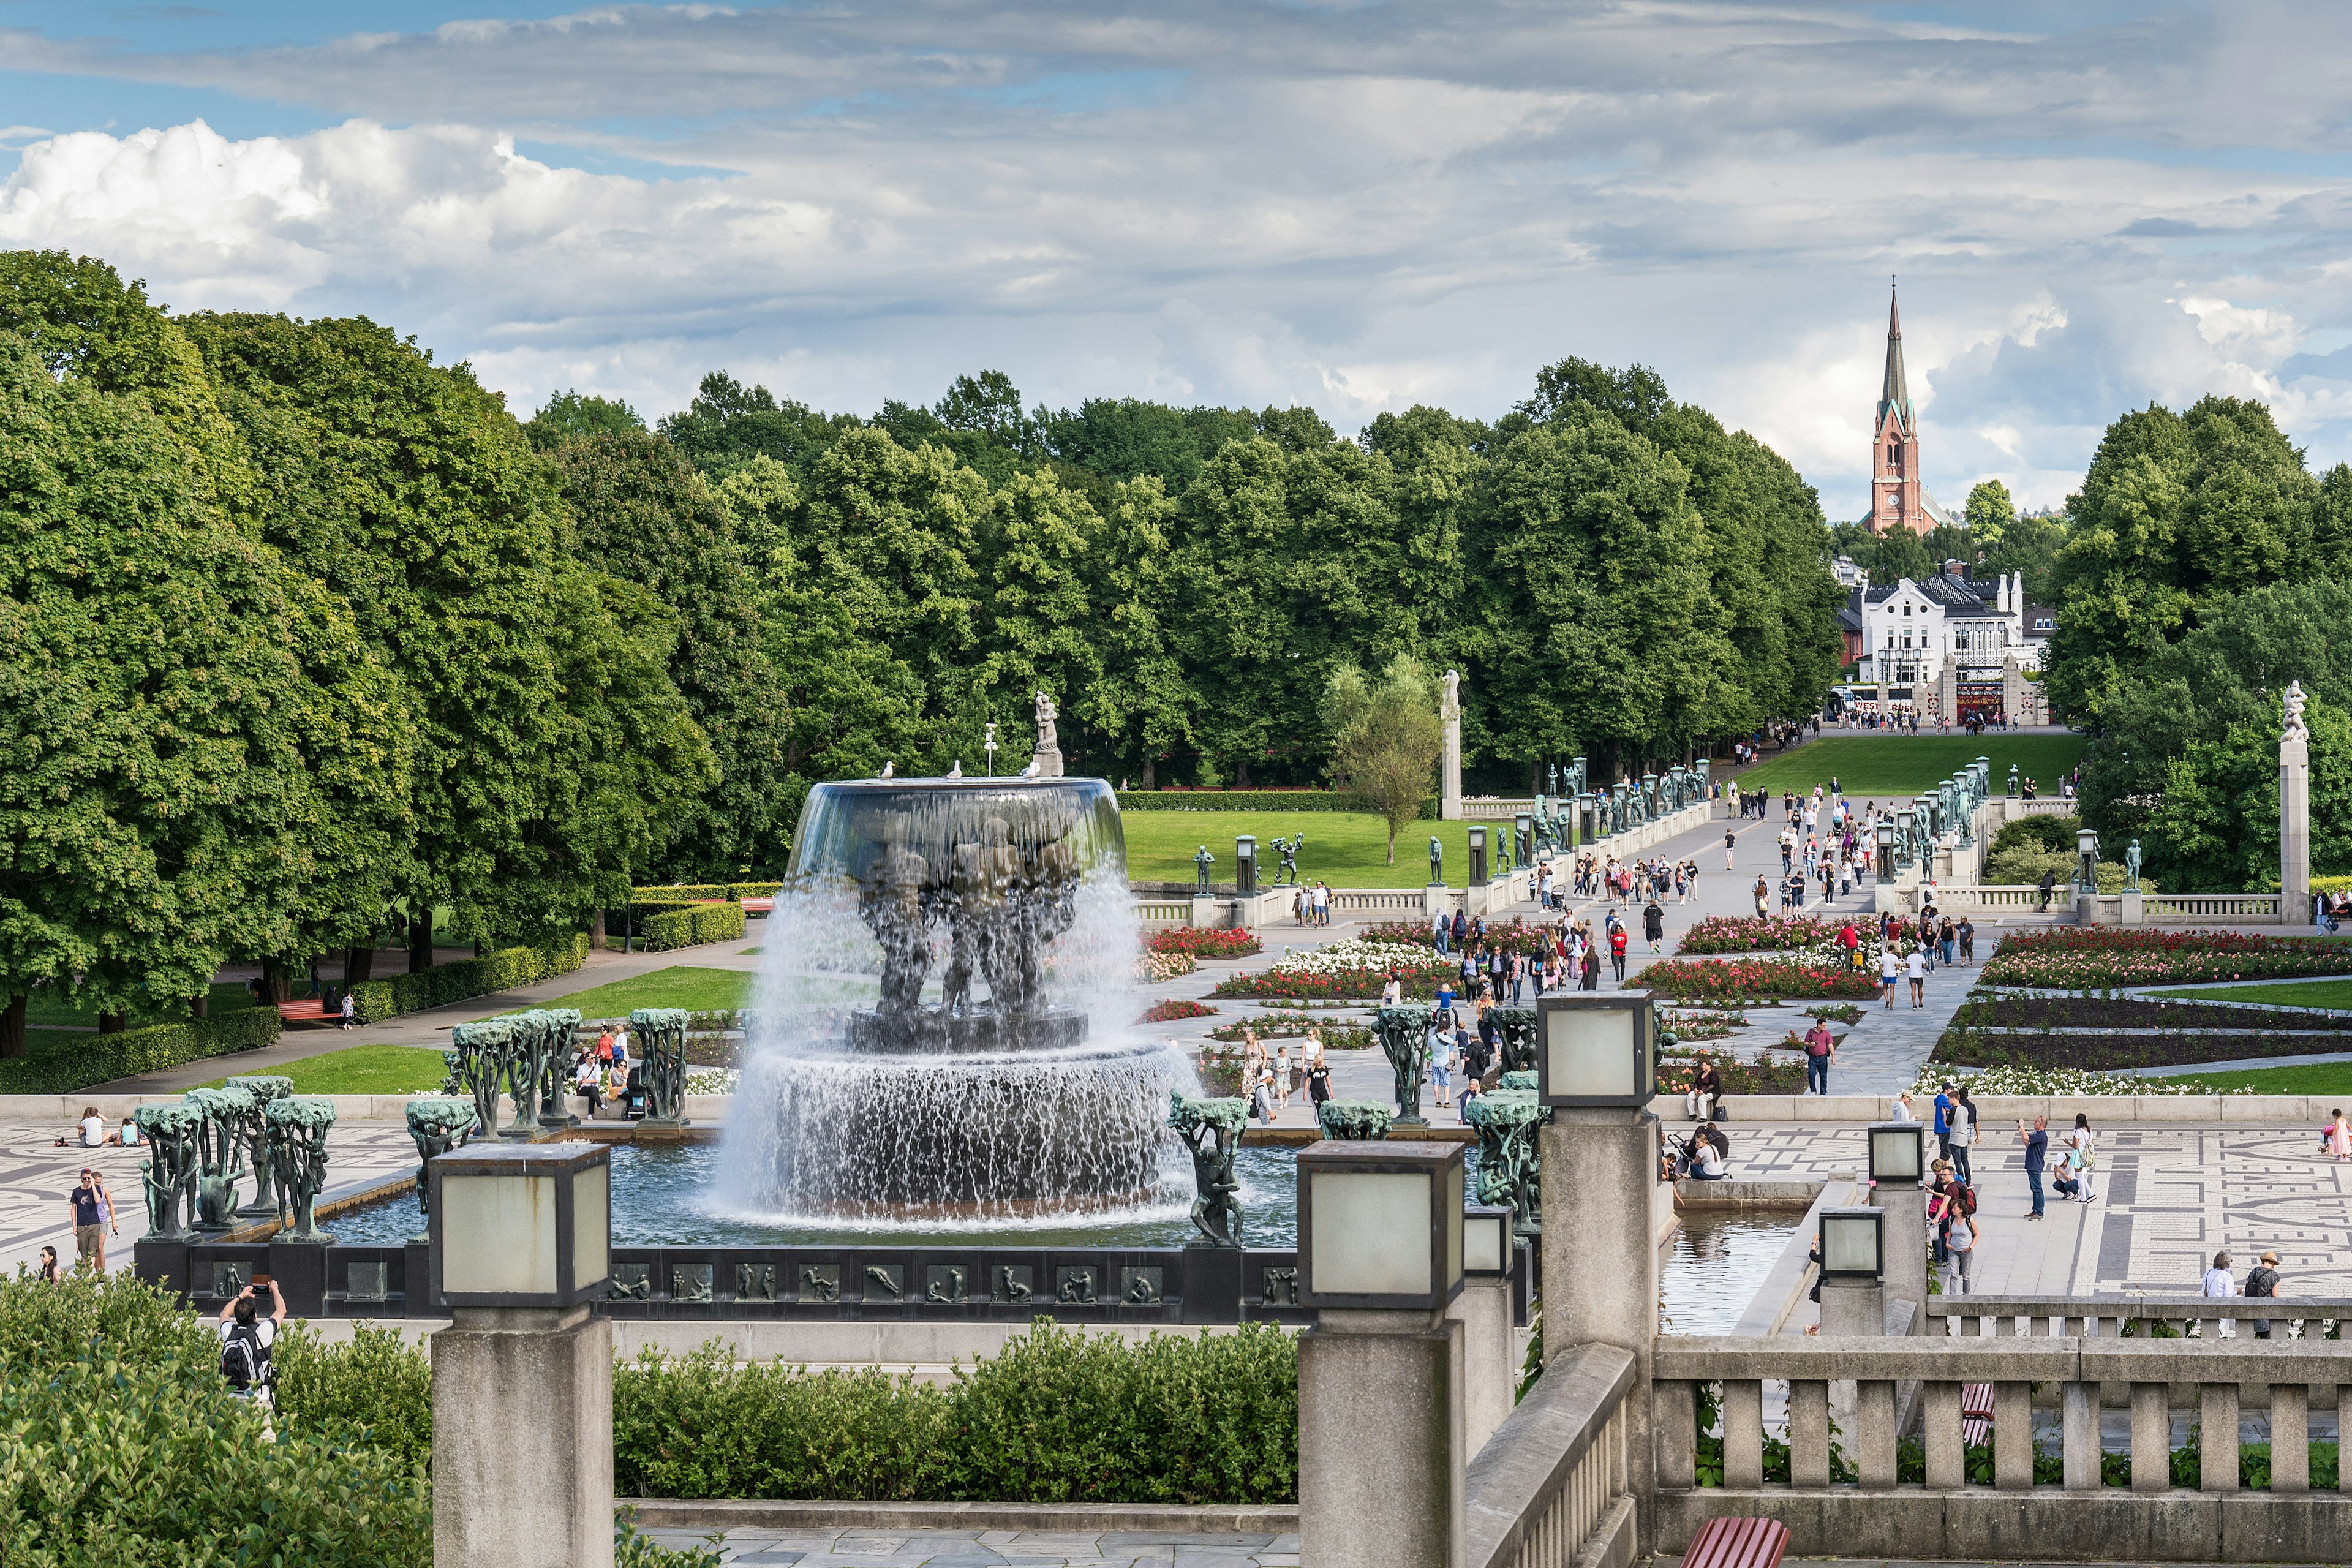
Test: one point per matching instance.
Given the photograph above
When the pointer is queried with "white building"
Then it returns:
(1949, 645)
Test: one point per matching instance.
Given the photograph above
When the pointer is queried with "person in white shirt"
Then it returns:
(1890, 969)
(1903, 1112)
(1916, 966)
(2220, 1284)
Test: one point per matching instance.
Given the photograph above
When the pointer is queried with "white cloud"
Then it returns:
(1227, 202)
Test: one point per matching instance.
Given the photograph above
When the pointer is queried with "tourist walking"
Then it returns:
(2263, 1282)
(1890, 970)
(1960, 1237)
(1653, 926)
(93, 1219)
(1964, 1135)
(1917, 968)
(2037, 1151)
(1967, 934)
(1441, 930)
(1591, 977)
(1821, 1054)
(1617, 949)
(246, 1341)
(1730, 843)
(2339, 1137)
(1442, 1069)
(1282, 1079)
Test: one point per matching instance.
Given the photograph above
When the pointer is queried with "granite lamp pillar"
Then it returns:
(1244, 865)
(1483, 1310)
(2294, 811)
(1898, 1158)
(521, 1247)
(1853, 1266)
(1381, 1236)
(1599, 1170)
(1885, 850)
(2086, 860)
(1523, 833)
(1478, 837)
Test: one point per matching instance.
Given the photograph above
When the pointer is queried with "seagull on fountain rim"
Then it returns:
(889, 768)
(956, 772)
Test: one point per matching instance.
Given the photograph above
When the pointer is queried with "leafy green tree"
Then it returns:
(2029, 545)
(640, 512)
(1990, 510)
(1385, 738)
(573, 415)
(728, 424)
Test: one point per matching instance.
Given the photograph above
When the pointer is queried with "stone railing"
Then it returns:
(2199, 907)
(2069, 1510)
(1493, 810)
(2135, 1316)
(1552, 1487)
(1152, 912)
(1398, 902)
(1952, 901)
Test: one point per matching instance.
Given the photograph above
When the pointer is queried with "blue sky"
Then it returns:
(1355, 206)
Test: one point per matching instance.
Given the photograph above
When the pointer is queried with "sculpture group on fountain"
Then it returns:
(201, 1148)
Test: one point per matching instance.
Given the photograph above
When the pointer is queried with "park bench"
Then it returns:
(1737, 1544)
(1976, 1412)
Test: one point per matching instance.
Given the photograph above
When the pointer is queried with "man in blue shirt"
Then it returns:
(2037, 1149)
(1943, 1118)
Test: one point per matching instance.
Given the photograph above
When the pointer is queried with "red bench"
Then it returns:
(1737, 1544)
(1976, 1412)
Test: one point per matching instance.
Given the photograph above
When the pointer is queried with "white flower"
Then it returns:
(1353, 954)
(712, 1080)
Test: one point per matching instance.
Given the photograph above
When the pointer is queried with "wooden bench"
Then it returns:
(1976, 1412)
(1737, 1544)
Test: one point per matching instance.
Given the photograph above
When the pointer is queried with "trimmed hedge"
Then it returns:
(376, 1000)
(1057, 1416)
(1254, 800)
(102, 1058)
(686, 925)
(704, 892)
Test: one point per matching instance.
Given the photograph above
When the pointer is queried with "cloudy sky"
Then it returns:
(1355, 206)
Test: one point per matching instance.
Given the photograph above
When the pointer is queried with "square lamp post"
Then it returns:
(1897, 1152)
(1486, 1240)
(1898, 1163)
(1381, 1228)
(1379, 1225)
(2086, 851)
(1596, 1051)
(1885, 831)
(1246, 865)
(1478, 838)
(1853, 1270)
(522, 1238)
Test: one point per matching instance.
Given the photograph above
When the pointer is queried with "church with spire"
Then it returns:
(1898, 490)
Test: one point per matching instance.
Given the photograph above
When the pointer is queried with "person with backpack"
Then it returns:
(246, 1341)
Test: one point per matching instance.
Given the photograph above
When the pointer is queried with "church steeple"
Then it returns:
(1894, 395)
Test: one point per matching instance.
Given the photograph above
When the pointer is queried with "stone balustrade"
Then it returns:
(2078, 1515)
(1552, 1487)
(2138, 1315)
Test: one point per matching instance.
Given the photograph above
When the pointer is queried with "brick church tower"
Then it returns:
(1898, 496)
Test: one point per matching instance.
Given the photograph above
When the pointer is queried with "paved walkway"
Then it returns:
(1032, 1549)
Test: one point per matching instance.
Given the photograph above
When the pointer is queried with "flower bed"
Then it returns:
(1343, 969)
(2019, 1078)
(1514, 935)
(1748, 933)
(1201, 942)
(2083, 958)
(1700, 1026)
(1760, 1076)
(1173, 1008)
(1337, 1035)
(1752, 979)
(1835, 1013)
(2132, 1013)
(2081, 1049)
(1164, 965)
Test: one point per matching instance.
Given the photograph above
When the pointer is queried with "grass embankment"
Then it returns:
(364, 1069)
(2286, 993)
(1905, 765)
(1347, 849)
(679, 985)
(2324, 1079)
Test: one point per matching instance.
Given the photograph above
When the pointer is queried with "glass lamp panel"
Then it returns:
(1372, 1233)
(1454, 1242)
(1482, 1243)
(1589, 1051)
(591, 1225)
(1893, 1154)
(1849, 1244)
(498, 1236)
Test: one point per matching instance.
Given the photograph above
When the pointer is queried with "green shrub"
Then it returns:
(1059, 1417)
(754, 889)
(376, 1000)
(101, 1058)
(376, 1390)
(1251, 800)
(2036, 835)
(684, 925)
(685, 893)
(2024, 868)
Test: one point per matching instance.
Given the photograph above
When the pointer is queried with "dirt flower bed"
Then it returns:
(1748, 933)
(2089, 957)
(1698, 1025)
(1752, 979)
(2095, 1012)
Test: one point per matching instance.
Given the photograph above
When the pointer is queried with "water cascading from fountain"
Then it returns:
(942, 1031)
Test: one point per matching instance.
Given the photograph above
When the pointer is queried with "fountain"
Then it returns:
(934, 1102)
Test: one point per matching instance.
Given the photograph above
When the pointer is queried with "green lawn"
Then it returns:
(48, 1006)
(2286, 993)
(679, 985)
(2323, 1078)
(1346, 849)
(366, 1069)
(1906, 765)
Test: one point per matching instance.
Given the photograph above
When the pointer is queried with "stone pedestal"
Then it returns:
(1381, 1442)
(1854, 1309)
(1435, 902)
(1600, 1261)
(1205, 911)
(522, 1439)
(1490, 1372)
(2134, 909)
(1907, 1249)
(2294, 831)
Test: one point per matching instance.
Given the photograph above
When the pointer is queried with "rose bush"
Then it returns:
(1164, 965)
(1753, 979)
(1175, 1007)
(1700, 1026)
(1514, 935)
(1201, 942)
(2021, 1080)
(1355, 967)
(2083, 958)
(1750, 933)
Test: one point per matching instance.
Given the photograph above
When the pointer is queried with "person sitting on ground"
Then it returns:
(90, 1132)
(1713, 1146)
